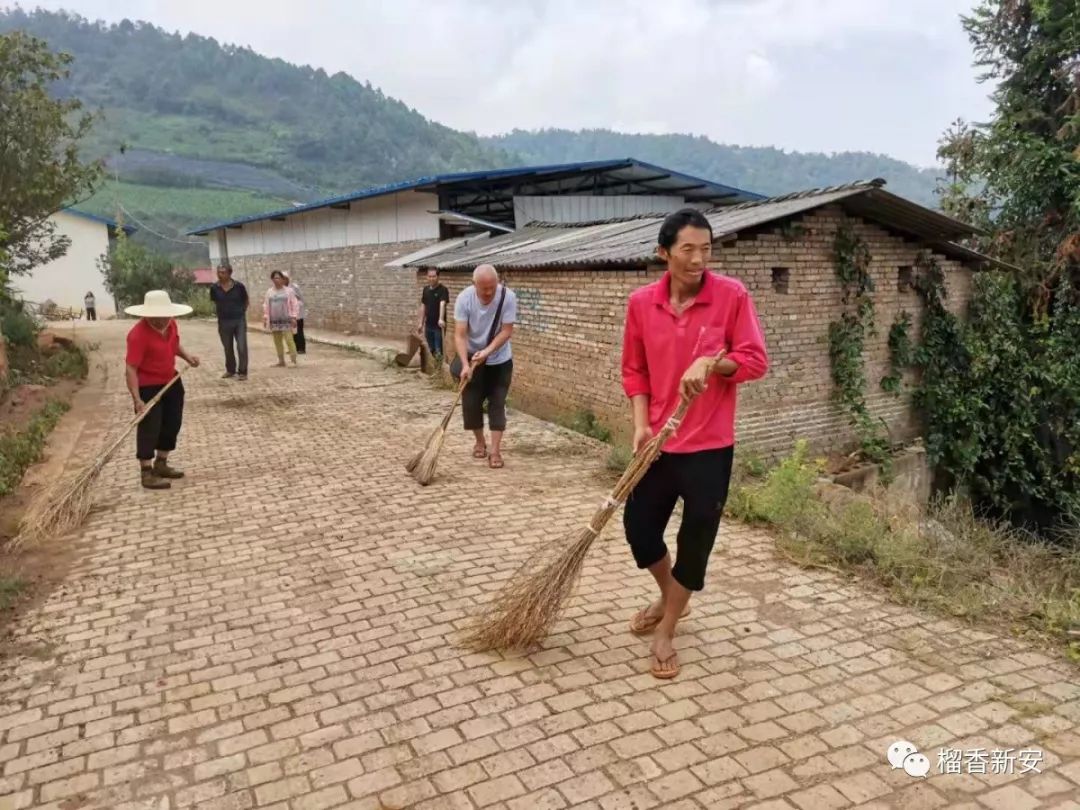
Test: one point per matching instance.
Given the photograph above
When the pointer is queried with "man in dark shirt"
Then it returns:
(433, 301)
(231, 300)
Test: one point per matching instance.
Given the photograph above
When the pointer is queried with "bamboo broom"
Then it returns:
(422, 465)
(528, 605)
(63, 505)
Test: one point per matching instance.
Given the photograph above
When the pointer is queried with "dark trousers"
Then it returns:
(232, 332)
(298, 338)
(158, 431)
(701, 479)
(91, 313)
(491, 383)
(434, 335)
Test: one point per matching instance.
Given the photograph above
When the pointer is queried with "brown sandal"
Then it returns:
(479, 452)
(495, 462)
(642, 624)
(665, 670)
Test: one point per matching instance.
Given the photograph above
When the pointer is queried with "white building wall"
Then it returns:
(66, 280)
(588, 208)
(401, 217)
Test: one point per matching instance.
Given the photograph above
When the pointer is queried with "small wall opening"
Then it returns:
(781, 279)
(905, 279)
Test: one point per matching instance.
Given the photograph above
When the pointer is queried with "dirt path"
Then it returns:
(277, 632)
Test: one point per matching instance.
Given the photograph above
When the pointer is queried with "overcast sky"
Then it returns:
(810, 75)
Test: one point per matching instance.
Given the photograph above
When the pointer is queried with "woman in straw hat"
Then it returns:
(153, 345)
(281, 308)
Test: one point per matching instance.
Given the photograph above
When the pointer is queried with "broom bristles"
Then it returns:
(60, 508)
(532, 600)
(429, 458)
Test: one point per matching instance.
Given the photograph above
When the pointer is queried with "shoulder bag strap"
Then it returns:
(498, 316)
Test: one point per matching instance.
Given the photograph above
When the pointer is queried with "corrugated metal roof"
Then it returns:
(628, 170)
(633, 240)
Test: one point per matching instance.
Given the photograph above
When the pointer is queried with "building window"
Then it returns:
(780, 278)
(905, 279)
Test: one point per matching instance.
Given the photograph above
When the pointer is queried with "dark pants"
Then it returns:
(433, 335)
(158, 431)
(491, 383)
(298, 338)
(91, 313)
(701, 479)
(230, 332)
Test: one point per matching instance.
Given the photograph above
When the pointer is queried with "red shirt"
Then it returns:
(152, 353)
(659, 346)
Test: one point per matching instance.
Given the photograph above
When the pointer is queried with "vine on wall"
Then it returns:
(847, 340)
(901, 353)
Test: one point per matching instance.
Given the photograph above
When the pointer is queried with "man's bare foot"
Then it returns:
(646, 619)
(665, 661)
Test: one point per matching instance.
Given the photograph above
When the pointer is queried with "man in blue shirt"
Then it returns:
(484, 318)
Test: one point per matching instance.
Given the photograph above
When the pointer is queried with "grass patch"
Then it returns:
(31, 366)
(619, 458)
(19, 450)
(952, 561)
(586, 423)
(10, 588)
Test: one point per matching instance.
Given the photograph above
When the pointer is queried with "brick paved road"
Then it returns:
(276, 632)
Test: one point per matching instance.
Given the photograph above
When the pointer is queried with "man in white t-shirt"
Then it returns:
(492, 365)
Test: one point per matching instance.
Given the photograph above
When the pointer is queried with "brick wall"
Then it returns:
(568, 339)
(345, 289)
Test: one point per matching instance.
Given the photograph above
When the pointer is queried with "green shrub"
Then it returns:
(200, 303)
(19, 450)
(586, 423)
(619, 458)
(17, 325)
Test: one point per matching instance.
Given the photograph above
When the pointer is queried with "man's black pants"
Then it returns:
(298, 338)
(701, 479)
(491, 383)
(158, 431)
(234, 331)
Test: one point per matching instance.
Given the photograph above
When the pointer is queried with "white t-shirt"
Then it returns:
(479, 316)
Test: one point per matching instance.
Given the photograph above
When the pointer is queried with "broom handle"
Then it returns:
(142, 414)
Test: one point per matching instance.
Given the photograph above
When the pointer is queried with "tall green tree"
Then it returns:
(40, 167)
(1019, 173)
(131, 270)
(1000, 393)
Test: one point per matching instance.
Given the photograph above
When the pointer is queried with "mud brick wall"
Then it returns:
(568, 339)
(345, 289)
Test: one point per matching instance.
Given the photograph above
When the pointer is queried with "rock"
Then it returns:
(62, 340)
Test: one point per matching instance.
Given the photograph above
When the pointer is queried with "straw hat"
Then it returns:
(157, 304)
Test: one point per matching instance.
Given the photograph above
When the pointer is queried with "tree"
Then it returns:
(1020, 172)
(131, 270)
(1000, 393)
(40, 168)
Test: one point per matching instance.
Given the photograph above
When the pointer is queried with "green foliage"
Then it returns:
(201, 305)
(16, 324)
(619, 458)
(847, 339)
(952, 562)
(131, 270)
(32, 366)
(901, 353)
(10, 588)
(19, 450)
(585, 422)
(40, 169)
(999, 397)
(1022, 164)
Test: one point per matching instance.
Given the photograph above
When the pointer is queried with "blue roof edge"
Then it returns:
(112, 223)
(420, 182)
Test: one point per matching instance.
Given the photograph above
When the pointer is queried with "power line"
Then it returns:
(148, 229)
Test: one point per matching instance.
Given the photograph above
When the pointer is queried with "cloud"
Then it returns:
(821, 75)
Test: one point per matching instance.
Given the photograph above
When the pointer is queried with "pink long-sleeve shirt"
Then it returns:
(659, 346)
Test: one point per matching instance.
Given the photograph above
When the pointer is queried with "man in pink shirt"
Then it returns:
(675, 328)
